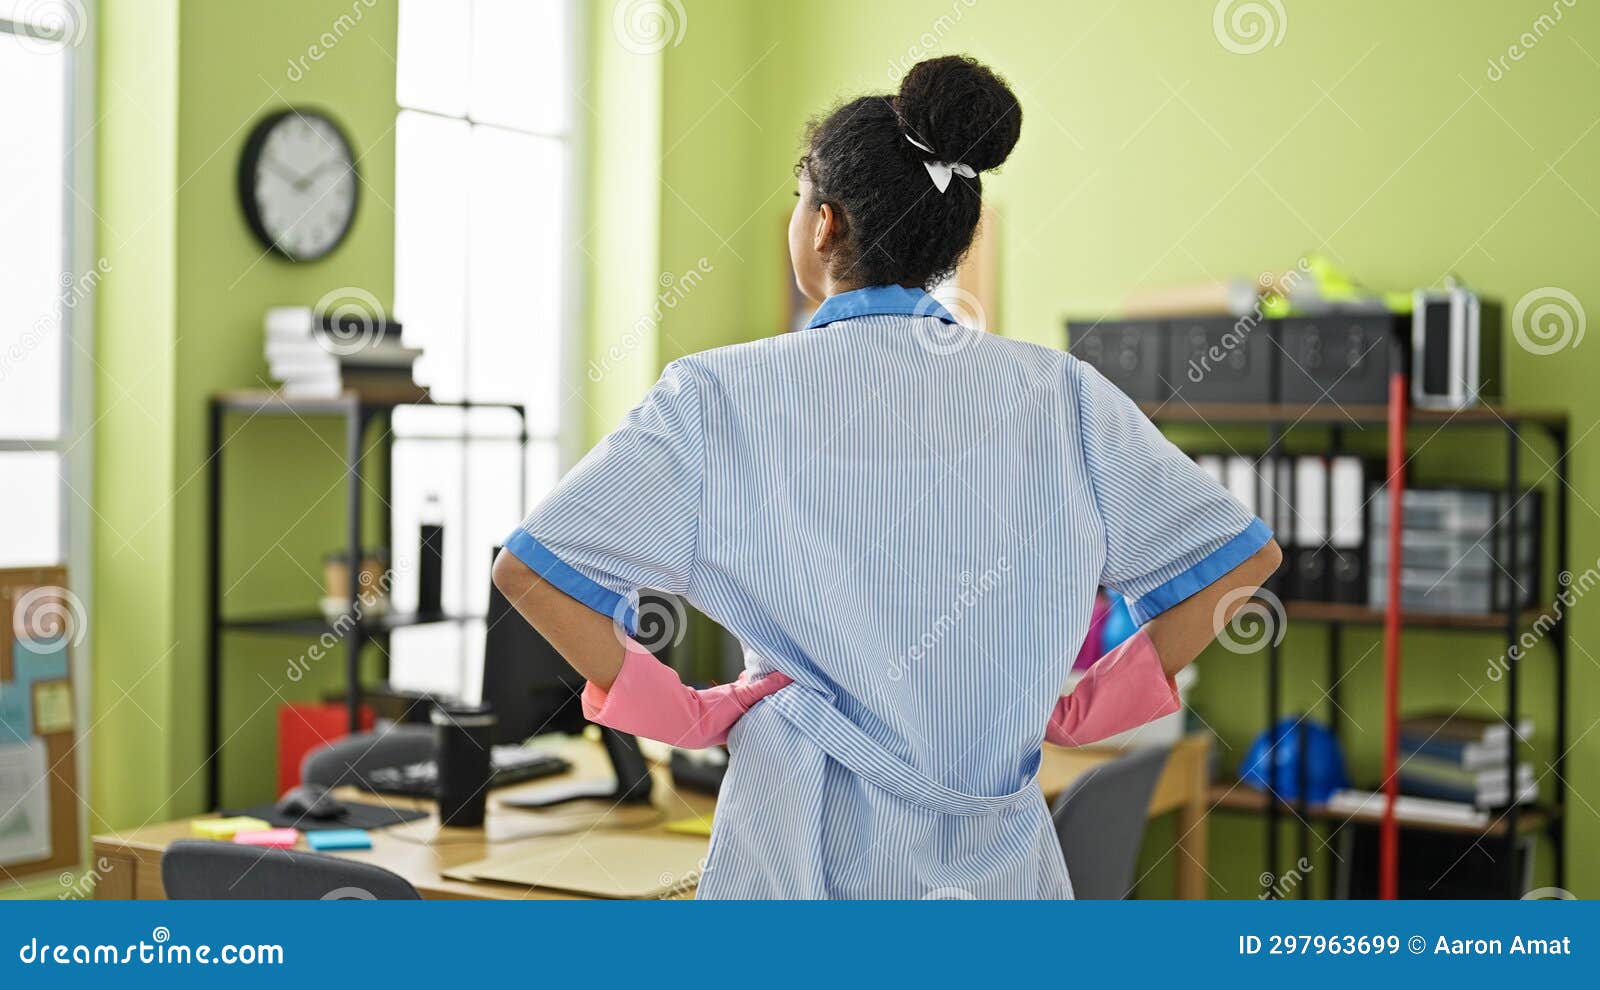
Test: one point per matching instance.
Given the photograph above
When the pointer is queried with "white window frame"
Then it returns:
(75, 439)
(568, 440)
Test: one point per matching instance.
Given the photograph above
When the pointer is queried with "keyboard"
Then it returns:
(508, 765)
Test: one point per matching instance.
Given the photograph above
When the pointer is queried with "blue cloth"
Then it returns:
(910, 519)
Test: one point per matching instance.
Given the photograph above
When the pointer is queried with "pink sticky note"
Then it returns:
(272, 838)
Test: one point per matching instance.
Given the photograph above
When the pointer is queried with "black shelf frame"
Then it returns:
(358, 415)
(1278, 422)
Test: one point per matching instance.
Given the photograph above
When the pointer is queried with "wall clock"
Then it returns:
(298, 184)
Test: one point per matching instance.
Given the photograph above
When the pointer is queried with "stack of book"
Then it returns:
(1369, 806)
(319, 356)
(1462, 759)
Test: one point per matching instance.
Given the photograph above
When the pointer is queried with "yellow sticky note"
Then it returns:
(52, 707)
(227, 828)
(689, 826)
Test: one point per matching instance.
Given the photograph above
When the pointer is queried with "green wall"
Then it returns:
(181, 85)
(1151, 155)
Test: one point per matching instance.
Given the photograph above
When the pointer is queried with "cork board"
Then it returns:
(41, 623)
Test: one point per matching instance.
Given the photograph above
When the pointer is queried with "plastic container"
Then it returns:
(1431, 590)
(1448, 550)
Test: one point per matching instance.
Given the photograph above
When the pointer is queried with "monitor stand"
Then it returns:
(631, 786)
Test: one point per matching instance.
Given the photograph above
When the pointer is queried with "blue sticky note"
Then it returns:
(16, 711)
(327, 840)
(39, 661)
(32, 661)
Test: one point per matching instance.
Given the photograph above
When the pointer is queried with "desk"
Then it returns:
(128, 864)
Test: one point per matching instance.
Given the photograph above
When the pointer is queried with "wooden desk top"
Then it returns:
(421, 851)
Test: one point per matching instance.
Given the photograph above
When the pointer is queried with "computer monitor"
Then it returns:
(533, 690)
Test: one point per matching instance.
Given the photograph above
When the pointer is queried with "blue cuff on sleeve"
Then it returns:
(1215, 564)
(558, 572)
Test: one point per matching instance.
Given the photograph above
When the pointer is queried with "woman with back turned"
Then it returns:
(905, 521)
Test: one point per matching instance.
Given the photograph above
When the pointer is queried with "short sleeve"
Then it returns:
(1170, 529)
(626, 516)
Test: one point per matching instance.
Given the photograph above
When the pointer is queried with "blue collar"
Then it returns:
(878, 300)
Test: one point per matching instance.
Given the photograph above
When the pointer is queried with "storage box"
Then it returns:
(1130, 353)
(307, 725)
(1221, 359)
(1337, 359)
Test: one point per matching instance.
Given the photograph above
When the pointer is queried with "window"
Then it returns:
(45, 286)
(483, 227)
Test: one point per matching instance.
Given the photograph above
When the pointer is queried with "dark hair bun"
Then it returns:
(960, 109)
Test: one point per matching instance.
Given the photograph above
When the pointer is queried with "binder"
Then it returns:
(1347, 577)
(1308, 577)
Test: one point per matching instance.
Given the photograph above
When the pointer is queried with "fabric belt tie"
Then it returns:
(815, 717)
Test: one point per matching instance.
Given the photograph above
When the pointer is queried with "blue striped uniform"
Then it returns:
(910, 518)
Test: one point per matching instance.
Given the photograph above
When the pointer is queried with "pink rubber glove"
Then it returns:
(1123, 690)
(647, 699)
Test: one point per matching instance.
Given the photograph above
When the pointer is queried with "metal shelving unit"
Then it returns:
(1518, 822)
(358, 415)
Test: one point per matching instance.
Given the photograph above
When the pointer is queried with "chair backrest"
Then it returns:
(1100, 822)
(348, 760)
(203, 869)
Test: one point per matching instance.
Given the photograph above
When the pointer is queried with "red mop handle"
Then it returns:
(1389, 833)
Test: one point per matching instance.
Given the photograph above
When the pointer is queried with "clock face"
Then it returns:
(298, 184)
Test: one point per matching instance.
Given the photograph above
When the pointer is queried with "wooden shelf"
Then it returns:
(1362, 615)
(1237, 797)
(1245, 413)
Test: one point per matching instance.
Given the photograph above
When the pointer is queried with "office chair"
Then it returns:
(352, 758)
(1100, 822)
(204, 870)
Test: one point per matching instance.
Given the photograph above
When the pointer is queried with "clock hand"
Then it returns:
(294, 179)
(314, 173)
